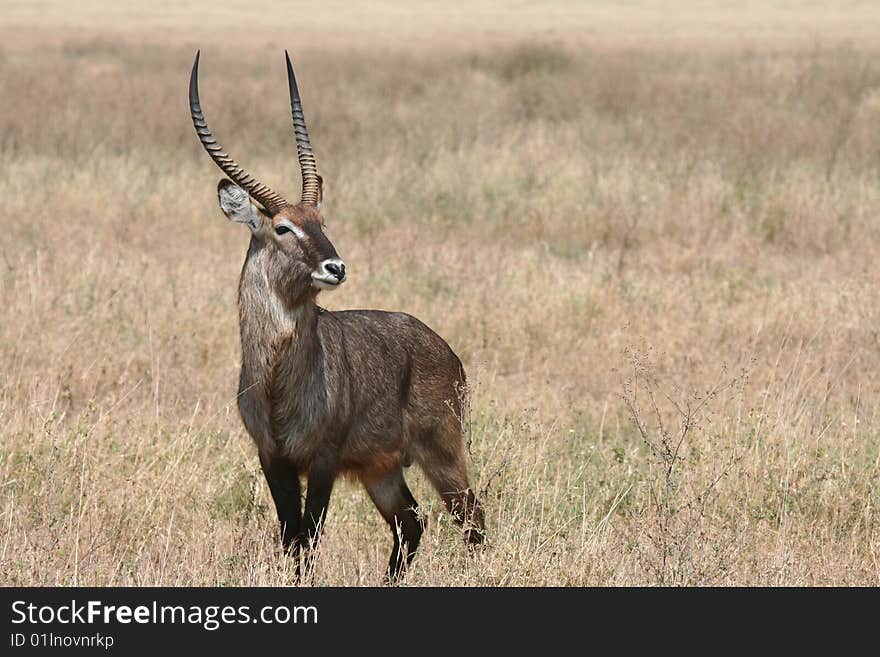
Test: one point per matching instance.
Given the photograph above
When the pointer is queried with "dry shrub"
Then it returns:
(691, 528)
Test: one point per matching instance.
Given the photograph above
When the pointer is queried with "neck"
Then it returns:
(279, 342)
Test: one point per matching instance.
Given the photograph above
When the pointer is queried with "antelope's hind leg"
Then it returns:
(397, 505)
(464, 507)
(445, 465)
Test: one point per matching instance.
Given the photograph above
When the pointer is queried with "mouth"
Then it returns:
(326, 281)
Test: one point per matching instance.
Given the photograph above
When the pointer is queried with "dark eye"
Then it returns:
(280, 230)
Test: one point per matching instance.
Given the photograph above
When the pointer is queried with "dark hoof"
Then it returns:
(474, 537)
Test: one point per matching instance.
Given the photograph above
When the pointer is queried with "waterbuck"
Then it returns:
(357, 392)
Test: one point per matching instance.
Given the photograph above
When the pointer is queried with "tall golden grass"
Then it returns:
(656, 257)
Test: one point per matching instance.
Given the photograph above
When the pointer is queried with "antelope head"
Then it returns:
(298, 257)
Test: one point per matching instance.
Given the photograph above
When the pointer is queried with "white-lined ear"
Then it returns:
(238, 206)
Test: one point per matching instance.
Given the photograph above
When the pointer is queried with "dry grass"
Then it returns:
(657, 263)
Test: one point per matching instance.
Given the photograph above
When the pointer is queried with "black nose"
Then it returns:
(337, 269)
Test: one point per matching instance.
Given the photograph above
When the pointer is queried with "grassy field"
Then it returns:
(651, 237)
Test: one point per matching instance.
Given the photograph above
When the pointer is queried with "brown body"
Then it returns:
(360, 392)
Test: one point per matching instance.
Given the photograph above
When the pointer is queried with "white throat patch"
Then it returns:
(283, 318)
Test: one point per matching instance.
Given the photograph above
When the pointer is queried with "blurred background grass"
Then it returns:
(637, 228)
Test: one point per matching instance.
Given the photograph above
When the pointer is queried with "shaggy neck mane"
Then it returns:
(281, 354)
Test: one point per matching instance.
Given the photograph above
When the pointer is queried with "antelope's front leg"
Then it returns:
(283, 479)
(320, 486)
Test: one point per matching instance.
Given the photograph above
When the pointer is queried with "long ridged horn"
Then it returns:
(311, 181)
(263, 194)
